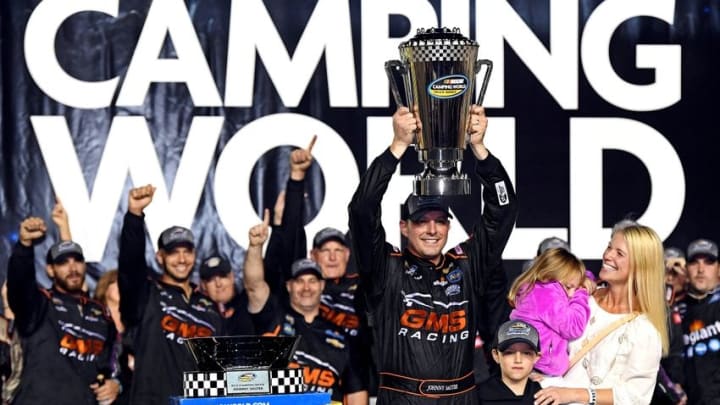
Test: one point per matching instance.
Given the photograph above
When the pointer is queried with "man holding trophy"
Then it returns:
(426, 305)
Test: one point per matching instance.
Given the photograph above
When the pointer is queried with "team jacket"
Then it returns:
(236, 318)
(338, 303)
(163, 316)
(425, 316)
(67, 339)
(701, 338)
(323, 350)
(288, 243)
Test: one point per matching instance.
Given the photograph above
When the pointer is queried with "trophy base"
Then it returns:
(441, 186)
(242, 382)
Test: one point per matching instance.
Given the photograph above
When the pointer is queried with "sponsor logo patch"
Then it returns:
(448, 86)
(502, 193)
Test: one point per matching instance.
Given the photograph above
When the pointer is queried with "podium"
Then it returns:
(308, 398)
(245, 370)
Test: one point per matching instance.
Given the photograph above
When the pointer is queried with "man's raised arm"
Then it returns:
(132, 267)
(253, 270)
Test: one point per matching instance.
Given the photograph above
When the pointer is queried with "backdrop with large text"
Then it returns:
(598, 109)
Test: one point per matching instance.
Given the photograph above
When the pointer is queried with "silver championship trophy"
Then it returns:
(438, 67)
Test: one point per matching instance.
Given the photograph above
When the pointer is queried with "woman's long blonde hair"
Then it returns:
(555, 264)
(646, 278)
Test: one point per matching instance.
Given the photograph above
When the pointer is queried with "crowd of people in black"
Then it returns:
(376, 321)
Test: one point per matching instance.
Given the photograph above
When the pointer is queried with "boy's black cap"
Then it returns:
(517, 331)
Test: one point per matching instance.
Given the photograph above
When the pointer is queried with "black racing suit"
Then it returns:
(338, 300)
(425, 316)
(67, 339)
(163, 317)
(323, 350)
(701, 337)
(288, 243)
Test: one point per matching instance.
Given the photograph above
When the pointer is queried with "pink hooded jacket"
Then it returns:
(558, 319)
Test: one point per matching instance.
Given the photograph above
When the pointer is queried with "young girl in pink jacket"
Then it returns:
(551, 296)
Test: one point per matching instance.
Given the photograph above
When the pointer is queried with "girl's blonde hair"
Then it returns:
(555, 264)
(646, 279)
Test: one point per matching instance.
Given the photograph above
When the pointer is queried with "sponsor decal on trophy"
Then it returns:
(438, 67)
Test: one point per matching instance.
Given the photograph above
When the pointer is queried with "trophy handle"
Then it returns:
(478, 65)
(390, 66)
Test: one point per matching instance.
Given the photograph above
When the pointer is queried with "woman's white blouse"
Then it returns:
(627, 360)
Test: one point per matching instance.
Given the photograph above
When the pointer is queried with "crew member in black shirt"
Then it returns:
(323, 350)
(218, 282)
(67, 338)
(164, 311)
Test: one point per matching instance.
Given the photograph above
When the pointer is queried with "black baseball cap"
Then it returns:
(176, 236)
(517, 331)
(328, 234)
(214, 266)
(702, 247)
(416, 206)
(305, 266)
(61, 251)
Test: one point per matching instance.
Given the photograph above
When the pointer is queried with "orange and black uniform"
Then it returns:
(338, 304)
(323, 350)
(162, 318)
(425, 316)
(67, 339)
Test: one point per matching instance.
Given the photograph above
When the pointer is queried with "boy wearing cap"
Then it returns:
(424, 301)
(163, 312)
(217, 280)
(67, 338)
(324, 349)
(516, 350)
(701, 324)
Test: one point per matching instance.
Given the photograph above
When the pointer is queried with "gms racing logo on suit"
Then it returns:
(179, 324)
(80, 343)
(432, 320)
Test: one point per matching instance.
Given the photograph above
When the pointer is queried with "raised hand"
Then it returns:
(139, 198)
(477, 125)
(404, 127)
(31, 229)
(259, 233)
(300, 160)
(61, 220)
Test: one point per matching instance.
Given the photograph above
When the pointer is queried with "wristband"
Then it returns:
(592, 396)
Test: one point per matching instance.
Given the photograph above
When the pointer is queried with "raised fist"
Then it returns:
(139, 198)
(31, 229)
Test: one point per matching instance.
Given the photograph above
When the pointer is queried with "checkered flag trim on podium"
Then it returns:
(288, 381)
(212, 384)
(196, 384)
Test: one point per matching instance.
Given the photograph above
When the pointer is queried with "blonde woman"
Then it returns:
(621, 368)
